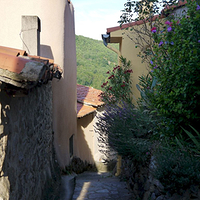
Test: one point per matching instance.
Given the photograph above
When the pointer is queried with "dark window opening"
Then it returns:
(71, 145)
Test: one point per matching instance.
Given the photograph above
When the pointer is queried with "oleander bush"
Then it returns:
(117, 88)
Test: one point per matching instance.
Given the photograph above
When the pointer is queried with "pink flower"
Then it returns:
(108, 72)
(153, 30)
(112, 76)
(116, 68)
(168, 23)
(100, 94)
(130, 71)
(123, 85)
(110, 88)
(105, 83)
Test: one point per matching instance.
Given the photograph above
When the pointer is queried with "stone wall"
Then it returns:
(145, 186)
(28, 169)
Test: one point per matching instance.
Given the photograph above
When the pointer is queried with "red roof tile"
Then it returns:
(19, 69)
(12, 63)
(89, 96)
(83, 110)
(180, 4)
(12, 51)
(88, 100)
(109, 30)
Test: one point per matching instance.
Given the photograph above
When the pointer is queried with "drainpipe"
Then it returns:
(106, 38)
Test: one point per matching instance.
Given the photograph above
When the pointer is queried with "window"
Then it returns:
(71, 145)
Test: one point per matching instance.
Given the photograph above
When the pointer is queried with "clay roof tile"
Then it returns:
(88, 100)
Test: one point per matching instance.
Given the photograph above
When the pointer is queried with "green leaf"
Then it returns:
(193, 138)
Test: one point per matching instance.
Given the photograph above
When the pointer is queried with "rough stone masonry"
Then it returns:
(28, 169)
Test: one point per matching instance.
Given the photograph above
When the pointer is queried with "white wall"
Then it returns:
(57, 40)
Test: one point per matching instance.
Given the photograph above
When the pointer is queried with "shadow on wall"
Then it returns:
(4, 178)
(27, 162)
(45, 51)
(85, 138)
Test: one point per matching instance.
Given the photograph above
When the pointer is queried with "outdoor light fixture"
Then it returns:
(105, 38)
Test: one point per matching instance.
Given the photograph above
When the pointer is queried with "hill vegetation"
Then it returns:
(93, 61)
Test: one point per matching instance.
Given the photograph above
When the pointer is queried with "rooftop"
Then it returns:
(88, 100)
(124, 26)
(21, 70)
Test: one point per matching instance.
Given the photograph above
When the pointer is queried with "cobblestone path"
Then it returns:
(100, 186)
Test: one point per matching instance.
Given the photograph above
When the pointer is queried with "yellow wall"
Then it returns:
(128, 50)
(86, 145)
(84, 140)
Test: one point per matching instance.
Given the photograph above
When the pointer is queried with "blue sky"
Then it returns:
(92, 17)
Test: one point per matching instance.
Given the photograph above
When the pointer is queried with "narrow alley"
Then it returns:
(100, 186)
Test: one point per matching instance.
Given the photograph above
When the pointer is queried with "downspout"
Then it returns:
(106, 38)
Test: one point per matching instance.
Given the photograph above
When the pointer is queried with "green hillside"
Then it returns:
(93, 61)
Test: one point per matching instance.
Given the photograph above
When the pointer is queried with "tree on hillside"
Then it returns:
(93, 61)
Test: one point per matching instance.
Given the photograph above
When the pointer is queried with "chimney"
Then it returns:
(31, 34)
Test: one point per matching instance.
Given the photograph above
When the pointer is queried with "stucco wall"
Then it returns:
(84, 147)
(57, 40)
(28, 167)
(86, 141)
(128, 50)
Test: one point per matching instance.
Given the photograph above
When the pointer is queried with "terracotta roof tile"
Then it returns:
(12, 63)
(180, 4)
(83, 110)
(88, 100)
(12, 51)
(89, 96)
(112, 29)
(109, 30)
(19, 69)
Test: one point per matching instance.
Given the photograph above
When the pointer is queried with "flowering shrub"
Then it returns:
(118, 86)
(170, 91)
(174, 89)
(127, 131)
